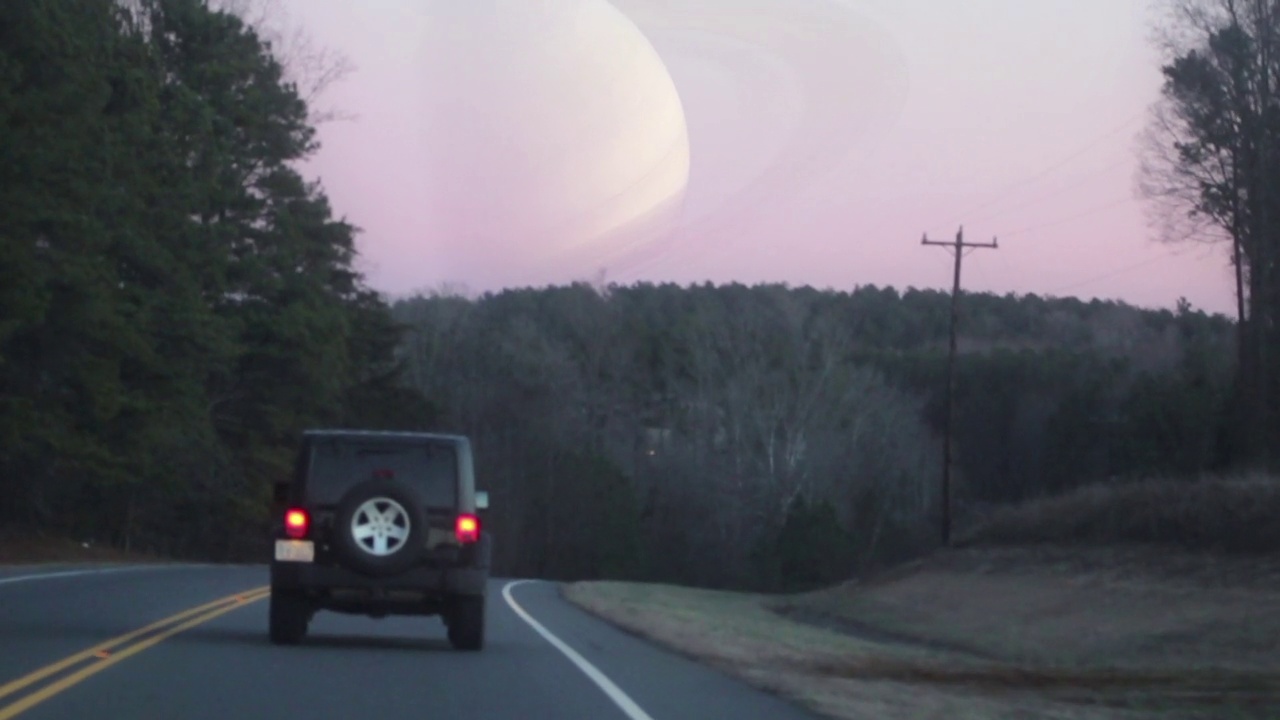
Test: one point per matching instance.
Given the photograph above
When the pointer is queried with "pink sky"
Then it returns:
(825, 137)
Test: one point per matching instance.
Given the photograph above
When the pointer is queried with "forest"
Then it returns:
(770, 437)
(178, 302)
(176, 299)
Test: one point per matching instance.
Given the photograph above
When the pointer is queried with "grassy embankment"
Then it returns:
(1149, 600)
(31, 548)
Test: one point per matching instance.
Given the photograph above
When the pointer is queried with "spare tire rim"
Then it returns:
(380, 526)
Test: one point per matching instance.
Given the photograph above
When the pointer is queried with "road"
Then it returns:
(62, 656)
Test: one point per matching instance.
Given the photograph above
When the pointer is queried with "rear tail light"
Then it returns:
(468, 529)
(296, 523)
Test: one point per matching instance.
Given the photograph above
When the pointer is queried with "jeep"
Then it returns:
(377, 524)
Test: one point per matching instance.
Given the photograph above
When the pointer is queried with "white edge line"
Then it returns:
(74, 573)
(615, 693)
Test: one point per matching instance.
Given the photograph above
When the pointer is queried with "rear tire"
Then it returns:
(466, 622)
(288, 617)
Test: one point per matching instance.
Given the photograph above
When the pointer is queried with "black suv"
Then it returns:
(377, 524)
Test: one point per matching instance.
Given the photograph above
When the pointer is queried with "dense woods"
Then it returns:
(177, 302)
(778, 437)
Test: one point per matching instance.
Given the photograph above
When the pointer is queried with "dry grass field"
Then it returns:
(1095, 605)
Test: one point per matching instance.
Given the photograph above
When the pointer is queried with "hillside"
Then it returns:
(1173, 622)
(627, 432)
(1064, 634)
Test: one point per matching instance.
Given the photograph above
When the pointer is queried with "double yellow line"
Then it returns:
(103, 655)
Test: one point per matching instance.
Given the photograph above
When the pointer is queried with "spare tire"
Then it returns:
(380, 527)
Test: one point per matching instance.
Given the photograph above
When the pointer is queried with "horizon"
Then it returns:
(457, 291)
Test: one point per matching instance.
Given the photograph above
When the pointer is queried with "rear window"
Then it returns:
(431, 469)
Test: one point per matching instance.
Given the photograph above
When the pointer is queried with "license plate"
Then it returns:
(295, 551)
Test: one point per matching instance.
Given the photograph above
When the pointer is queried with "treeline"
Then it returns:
(773, 437)
(176, 300)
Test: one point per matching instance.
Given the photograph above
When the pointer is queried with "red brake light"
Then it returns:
(295, 523)
(468, 529)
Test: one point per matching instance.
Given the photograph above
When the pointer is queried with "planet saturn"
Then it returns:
(555, 137)
(567, 140)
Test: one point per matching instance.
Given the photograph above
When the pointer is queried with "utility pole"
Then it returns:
(957, 248)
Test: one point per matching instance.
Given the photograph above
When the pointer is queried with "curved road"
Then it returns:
(190, 642)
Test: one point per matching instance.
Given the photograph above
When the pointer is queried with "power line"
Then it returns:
(1055, 192)
(957, 248)
(1034, 177)
(1118, 271)
(1072, 218)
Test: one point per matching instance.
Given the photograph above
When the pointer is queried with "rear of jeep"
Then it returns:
(377, 524)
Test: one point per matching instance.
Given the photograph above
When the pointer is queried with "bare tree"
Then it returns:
(783, 415)
(1171, 177)
(311, 67)
(1211, 168)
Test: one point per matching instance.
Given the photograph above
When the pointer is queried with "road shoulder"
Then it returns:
(664, 683)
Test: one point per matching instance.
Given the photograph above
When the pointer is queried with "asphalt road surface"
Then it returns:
(190, 642)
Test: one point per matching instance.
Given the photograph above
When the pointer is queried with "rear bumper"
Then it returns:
(440, 582)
